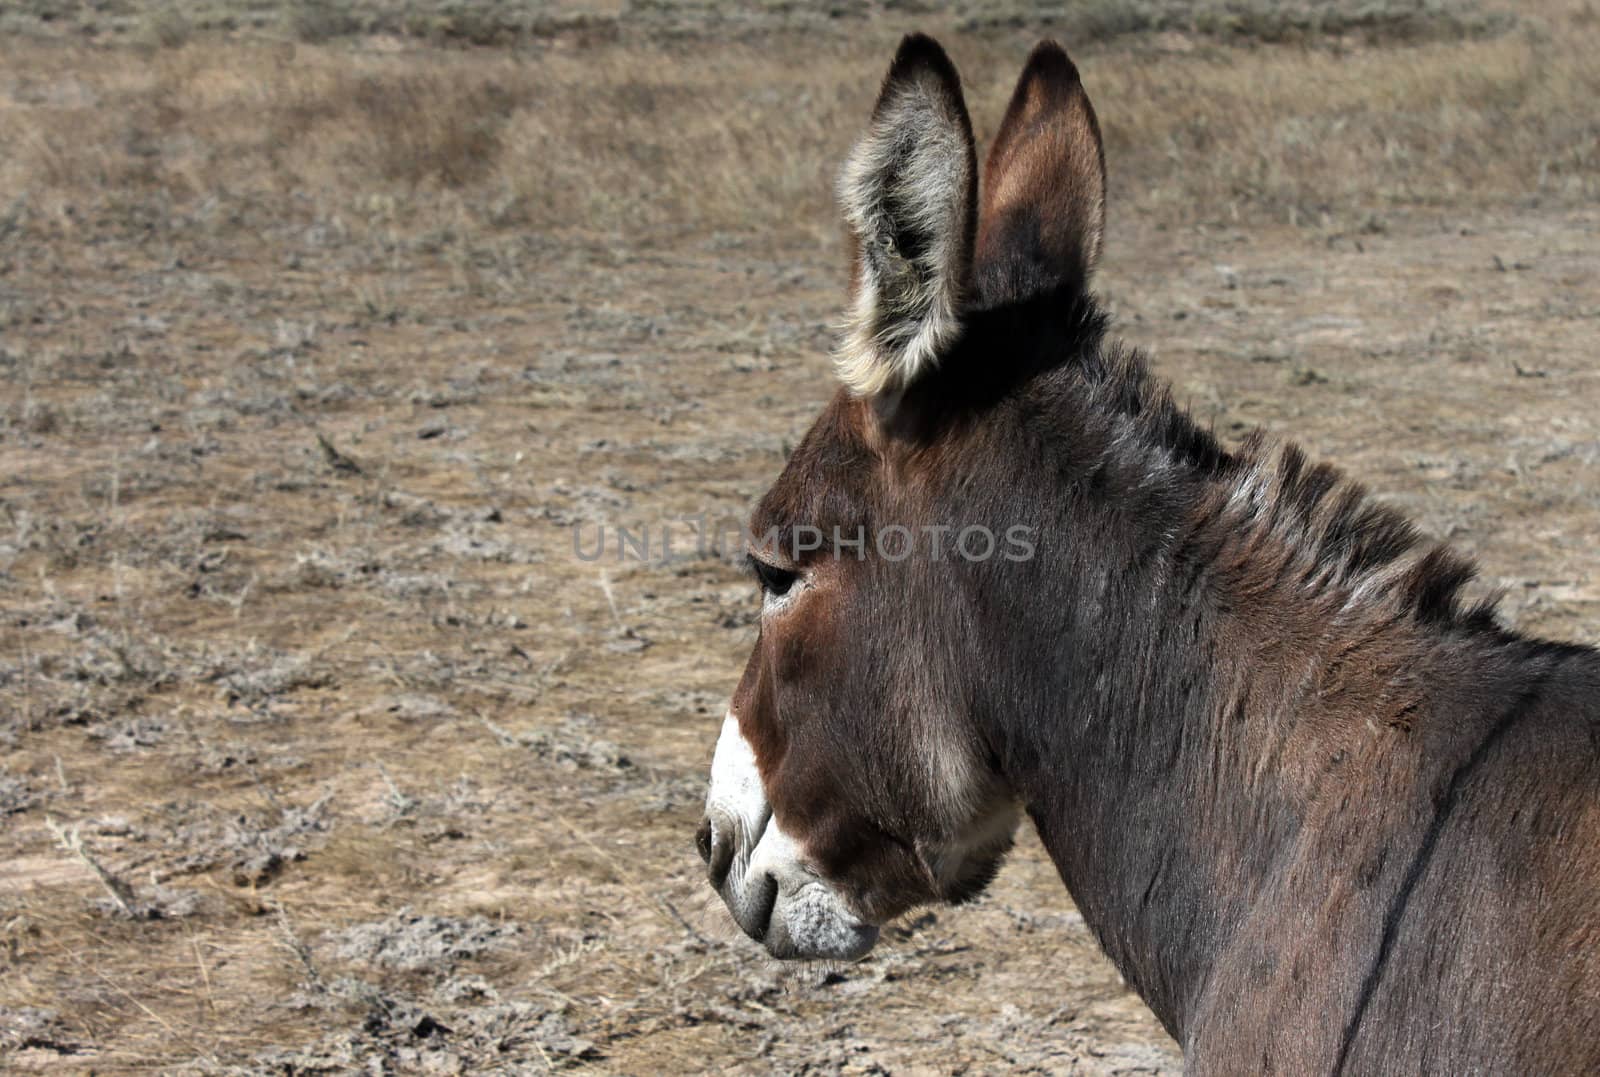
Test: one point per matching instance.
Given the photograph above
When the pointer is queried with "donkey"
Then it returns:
(1323, 814)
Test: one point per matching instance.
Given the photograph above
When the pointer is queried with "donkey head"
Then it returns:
(855, 777)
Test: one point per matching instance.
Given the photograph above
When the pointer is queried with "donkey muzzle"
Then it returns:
(760, 871)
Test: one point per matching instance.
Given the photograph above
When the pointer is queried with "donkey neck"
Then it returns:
(1169, 712)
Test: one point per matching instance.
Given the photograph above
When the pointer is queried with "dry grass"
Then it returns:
(511, 22)
(634, 138)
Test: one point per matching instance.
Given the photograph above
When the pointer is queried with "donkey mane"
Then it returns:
(1339, 541)
(1265, 512)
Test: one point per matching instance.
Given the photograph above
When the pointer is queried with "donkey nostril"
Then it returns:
(702, 840)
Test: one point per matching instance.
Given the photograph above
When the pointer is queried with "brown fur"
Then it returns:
(1322, 815)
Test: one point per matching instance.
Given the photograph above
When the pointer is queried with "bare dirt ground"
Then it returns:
(323, 752)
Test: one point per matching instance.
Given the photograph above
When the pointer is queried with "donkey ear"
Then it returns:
(1044, 187)
(909, 194)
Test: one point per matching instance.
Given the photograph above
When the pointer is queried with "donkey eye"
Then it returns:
(774, 581)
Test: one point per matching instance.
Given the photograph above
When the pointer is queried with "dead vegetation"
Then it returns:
(638, 134)
(322, 750)
(509, 23)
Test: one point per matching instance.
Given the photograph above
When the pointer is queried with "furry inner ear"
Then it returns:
(1044, 187)
(909, 194)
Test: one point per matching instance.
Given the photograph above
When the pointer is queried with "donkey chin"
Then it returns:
(777, 898)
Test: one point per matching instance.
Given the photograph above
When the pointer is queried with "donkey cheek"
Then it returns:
(798, 651)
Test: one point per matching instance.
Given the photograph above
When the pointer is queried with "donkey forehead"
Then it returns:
(828, 479)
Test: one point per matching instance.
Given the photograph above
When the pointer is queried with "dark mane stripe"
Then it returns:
(1326, 524)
